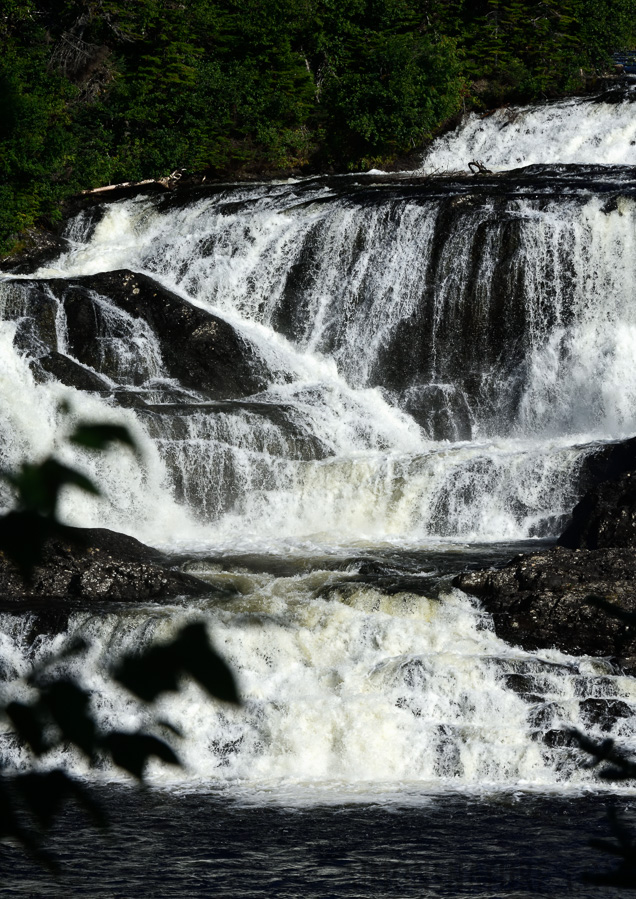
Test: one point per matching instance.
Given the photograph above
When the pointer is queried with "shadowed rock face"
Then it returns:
(72, 374)
(98, 564)
(199, 349)
(541, 600)
(605, 517)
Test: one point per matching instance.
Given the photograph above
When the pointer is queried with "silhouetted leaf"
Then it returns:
(22, 538)
(12, 826)
(28, 723)
(75, 646)
(38, 486)
(158, 670)
(177, 732)
(68, 705)
(205, 665)
(100, 436)
(624, 847)
(131, 751)
(620, 766)
(606, 846)
(148, 675)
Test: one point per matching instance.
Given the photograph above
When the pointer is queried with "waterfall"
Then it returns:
(577, 131)
(350, 693)
(451, 356)
(438, 357)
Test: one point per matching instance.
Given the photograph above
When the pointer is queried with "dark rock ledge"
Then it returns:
(95, 563)
(540, 600)
(92, 568)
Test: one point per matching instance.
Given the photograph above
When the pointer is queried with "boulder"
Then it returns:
(541, 601)
(199, 350)
(93, 569)
(605, 517)
(71, 373)
(90, 564)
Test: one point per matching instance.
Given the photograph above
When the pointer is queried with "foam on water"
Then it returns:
(575, 131)
(347, 691)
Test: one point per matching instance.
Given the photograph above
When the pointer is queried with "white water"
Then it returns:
(349, 694)
(574, 131)
(514, 438)
(442, 366)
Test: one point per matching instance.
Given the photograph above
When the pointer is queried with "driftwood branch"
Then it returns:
(478, 168)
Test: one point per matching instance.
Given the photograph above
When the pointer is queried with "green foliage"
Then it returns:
(100, 91)
(527, 49)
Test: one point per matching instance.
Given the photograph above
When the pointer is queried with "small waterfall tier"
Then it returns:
(579, 131)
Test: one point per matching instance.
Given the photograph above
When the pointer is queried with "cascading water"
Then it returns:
(442, 356)
(577, 131)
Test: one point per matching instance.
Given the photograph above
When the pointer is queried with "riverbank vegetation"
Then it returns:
(94, 92)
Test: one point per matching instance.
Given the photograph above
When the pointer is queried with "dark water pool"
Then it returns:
(165, 845)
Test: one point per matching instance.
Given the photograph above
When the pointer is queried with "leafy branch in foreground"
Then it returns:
(25, 529)
(57, 713)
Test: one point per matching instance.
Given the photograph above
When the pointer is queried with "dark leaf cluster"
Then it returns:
(58, 712)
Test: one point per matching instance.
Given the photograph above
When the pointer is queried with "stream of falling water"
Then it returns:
(442, 357)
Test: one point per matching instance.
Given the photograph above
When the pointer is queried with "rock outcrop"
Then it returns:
(90, 568)
(547, 599)
(605, 517)
(97, 564)
(201, 350)
(541, 601)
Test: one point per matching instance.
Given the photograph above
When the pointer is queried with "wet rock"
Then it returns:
(95, 564)
(608, 463)
(604, 713)
(540, 601)
(441, 410)
(40, 247)
(200, 350)
(71, 373)
(300, 443)
(557, 739)
(606, 516)
(524, 685)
